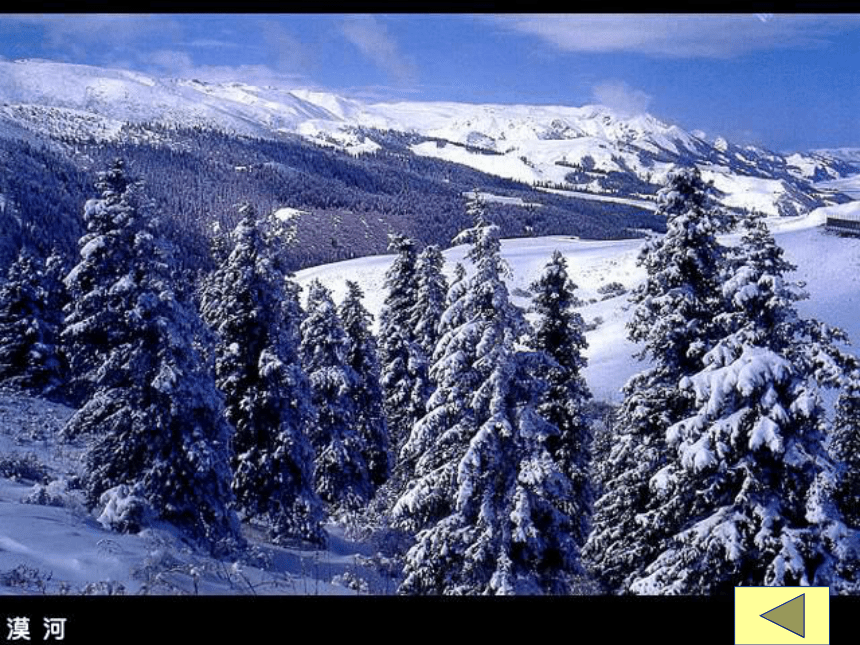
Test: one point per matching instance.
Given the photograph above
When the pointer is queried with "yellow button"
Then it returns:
(782, 615)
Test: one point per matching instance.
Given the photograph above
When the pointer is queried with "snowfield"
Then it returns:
(49, 543)
(641, 203)
(848, 185)
(818, 254)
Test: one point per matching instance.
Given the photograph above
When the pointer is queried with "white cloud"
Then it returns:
(290, 53)
(103, 32)
(705, 36)
(621, 98)
(178, 64)
(212, 43)
(372, 39)
(173, 63)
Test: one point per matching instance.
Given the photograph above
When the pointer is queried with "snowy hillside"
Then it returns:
(592, 264)
(50, 544)
(587, 149)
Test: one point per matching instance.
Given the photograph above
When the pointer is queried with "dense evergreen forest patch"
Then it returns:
(349, 205)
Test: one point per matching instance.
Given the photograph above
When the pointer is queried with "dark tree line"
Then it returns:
(196, 177)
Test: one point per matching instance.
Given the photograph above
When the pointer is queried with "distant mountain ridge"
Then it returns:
(589, 150)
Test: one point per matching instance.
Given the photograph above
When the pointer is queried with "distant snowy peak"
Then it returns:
(132, 96)
(844, 154)
(591, 150)
(499, 126)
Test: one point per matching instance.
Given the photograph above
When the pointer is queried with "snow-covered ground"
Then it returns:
(641, 203)
(50, 543)
(828, 263)
(501, 199)
(751, 193)
(848, 185)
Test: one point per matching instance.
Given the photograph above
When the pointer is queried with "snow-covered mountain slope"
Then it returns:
(849, 155)
(849, 186)
(587, 149)
(819, 256)
(79, 99)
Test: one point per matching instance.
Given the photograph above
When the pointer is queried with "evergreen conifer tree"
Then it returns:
(341, 473)
(845, 449)
(487, 497)
(403, 363)
(158, 440)
(430, 302)
(748, 474)
(845, 489)
(558, 333)
(361, 356)
(675, 319)
(56, 301)
(29, 333)
(249, 305)
(94, 325)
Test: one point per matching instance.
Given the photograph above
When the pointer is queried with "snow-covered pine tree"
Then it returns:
(431, 298)
(403, 363)
(487, 496)
(340, 471)
(248, 304)
(845, 451)
(158, 439)
(674, 317)
(361, 356)
(56, 300)
(29, 335)
(558, 332)
(749, 477)
(404, 461)
(452, 317)
(93, 321)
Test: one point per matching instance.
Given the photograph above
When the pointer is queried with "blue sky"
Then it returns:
(783, 81)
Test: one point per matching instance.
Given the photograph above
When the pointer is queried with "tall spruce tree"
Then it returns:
(558, 333)
(361, 356)
(94, 324)
(248, 303)
(845, 490)
(845, 448)
(487, 498)
(29, 329)
(56, 298)
(749, 475)
(430, 299)
(158, 440)
(403, 363)
(675, 319)
(340, 470)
